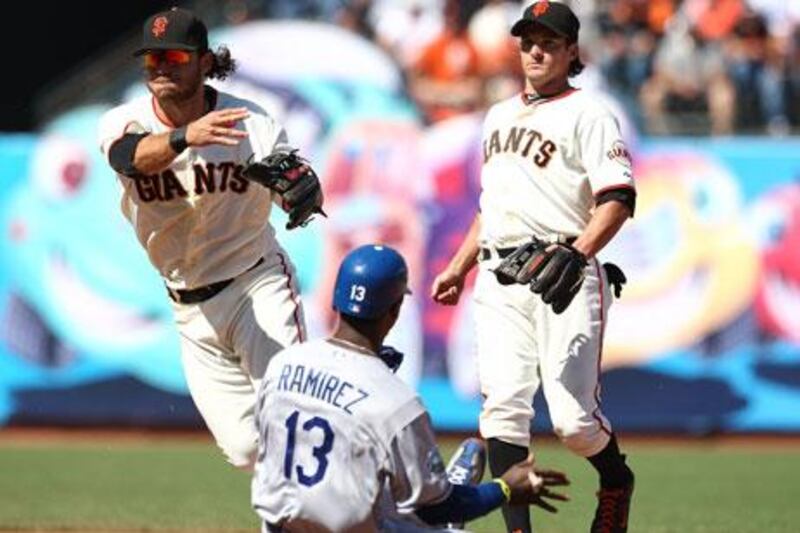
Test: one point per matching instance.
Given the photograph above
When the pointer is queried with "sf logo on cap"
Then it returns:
(541, 8)
(159, 26)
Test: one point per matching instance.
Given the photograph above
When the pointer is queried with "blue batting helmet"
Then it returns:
(371, 279)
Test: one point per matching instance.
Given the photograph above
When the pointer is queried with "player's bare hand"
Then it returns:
(447, 287)
(217, 127)
(533, 485)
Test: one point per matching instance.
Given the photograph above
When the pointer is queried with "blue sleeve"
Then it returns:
(465, 503)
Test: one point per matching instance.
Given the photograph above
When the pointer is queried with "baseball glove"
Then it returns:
(522, 264)
(555, 271)
(559, 276)
(293, 179)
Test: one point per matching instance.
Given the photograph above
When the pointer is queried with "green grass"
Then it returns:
(186, 485)
(683, 488)
(178, 485)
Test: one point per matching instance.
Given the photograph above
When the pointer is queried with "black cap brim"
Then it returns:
(165, 46)
(521, 24)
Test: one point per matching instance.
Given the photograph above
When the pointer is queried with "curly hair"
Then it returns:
(576, 66)
(224, 65)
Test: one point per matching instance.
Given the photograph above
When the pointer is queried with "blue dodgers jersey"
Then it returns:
(344, 443)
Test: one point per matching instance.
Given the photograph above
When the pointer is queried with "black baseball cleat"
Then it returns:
(467, 465)
(613, 507)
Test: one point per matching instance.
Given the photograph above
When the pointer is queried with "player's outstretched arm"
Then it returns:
(157, 151)
(531, 485)
(217, 127)
(449, 284)
(522, 484)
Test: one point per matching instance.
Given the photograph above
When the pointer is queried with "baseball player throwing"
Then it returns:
(556, 187)
(200, 211)
(346, 445)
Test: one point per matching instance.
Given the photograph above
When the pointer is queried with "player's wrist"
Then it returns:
(459, 268)
(177, 140)
(504, 487)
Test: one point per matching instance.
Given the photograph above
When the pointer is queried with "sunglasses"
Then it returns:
(547, 45)
(171, 57)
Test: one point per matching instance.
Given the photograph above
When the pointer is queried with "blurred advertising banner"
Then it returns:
(705, 337)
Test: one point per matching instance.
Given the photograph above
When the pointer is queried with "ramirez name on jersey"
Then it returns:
(320, 385)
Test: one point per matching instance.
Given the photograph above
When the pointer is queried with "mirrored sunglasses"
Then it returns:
(171, 57)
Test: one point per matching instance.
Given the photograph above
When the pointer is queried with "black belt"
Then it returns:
(502, 253)
(206, 292)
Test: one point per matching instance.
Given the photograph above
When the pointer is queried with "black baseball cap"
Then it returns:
(553, 15)
(175, 29)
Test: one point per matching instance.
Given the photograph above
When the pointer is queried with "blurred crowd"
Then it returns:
(691, 67)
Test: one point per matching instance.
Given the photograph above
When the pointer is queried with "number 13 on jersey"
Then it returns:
(313, 426)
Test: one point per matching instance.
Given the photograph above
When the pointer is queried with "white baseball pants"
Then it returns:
(522, 344)
(226, 343)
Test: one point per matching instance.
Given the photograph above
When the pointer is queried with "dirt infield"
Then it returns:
(83, 529)
(35, 435)
(98, 434)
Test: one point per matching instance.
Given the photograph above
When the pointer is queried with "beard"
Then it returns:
(180, 89)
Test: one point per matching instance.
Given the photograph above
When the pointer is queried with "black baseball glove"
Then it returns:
(293, 179)
(555, 271)
(560, 276)
(522, 264)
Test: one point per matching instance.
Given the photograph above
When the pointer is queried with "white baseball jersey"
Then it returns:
(200, 222)
(339, 436)
(183, 216)
(543, 165)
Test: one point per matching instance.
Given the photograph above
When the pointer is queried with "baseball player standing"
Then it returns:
(556, 187)
(181, 157)
(346, 445)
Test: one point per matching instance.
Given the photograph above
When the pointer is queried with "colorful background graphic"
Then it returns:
(705, 338)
